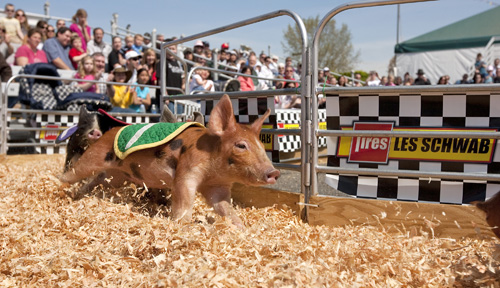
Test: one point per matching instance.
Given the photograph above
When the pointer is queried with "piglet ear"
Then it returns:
(222, 118)
(257, 124)
(481, 205)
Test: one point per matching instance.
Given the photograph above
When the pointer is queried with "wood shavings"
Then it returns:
(124, 238)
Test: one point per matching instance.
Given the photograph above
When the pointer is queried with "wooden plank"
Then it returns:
(260, 197)
(444, 221)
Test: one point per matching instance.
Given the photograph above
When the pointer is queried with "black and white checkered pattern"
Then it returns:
(247, 111)
(63, 122)
(291, 143)
(62, 92)
(43, 97)
(444, 109)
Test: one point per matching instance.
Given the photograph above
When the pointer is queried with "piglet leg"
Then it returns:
(220, 199)
(183, 195)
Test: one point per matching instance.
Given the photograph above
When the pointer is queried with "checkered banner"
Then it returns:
(412, 110)
(290, 119)
(46, 120)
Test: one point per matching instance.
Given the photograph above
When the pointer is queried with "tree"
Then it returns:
(335, 48)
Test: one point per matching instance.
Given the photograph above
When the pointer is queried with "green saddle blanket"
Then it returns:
(136, 137)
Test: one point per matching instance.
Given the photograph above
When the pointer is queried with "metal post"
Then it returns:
(216, 64)
(114, 25)
(46, 9)
(153, 38)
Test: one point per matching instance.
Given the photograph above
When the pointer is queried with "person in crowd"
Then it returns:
(137, 46)
(12, 26)
(480, 65)
(373, 79)
(288, 101)
(442, 81)
(147, 41)
(150, 63)
(200, 81)
(421, 79)
(273, 66)
(98, 45)
(390, 81)
(188, 55)
(464, 80)
(129, 42)
(101, 75)
(6, 49)
(222, 58)
(57, 49)
(121, 96)
(332, 80)
(478, 78)
(42, 25)
(160, 38)
(326, 72)
(116, 58)
(266, 71)
(51, 31)
(174, 75)
(87, 70)
(60, 23)
(357, 80)
(497, 78)
(198, 48)
(343, 81)
(281, 69)
(76, 53)
(246, 83)
(398, 81)
(29, 53)
(496, 64)
(289, 73)
(488, 79)
(133, 64)
(142, 94)
(80, 27)
(23, 21)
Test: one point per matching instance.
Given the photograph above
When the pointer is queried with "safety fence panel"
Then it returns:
(455, 110)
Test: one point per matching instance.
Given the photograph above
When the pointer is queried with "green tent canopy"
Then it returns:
(474, 31)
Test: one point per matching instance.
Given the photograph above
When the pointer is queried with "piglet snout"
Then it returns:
(272, 176)
(95, 134)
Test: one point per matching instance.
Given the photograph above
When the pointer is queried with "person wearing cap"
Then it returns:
(133, 64)
(489, 75)
(198, 47)
(421, 79)
(147, 40)
(57, 49)
(326, 72)
(273, 65)
(121, 96)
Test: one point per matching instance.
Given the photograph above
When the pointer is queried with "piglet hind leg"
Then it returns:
(87, 166)
(220, 199)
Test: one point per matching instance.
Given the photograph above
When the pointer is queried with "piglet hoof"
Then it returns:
(272, 176)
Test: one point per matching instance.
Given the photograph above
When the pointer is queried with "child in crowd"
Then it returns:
(121, 96)
(142, 95)
(138, 43)
(129, 42)
(200, 81)
(87, 71)
(76, 53)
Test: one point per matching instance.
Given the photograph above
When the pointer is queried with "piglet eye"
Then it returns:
(241, 145)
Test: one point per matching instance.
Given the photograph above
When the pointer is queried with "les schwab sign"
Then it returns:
(380, 149)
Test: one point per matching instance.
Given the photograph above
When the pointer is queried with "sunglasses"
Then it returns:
(135, 58)
(51, 30)
(9, 10)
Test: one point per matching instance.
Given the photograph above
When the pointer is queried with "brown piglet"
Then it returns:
(208, 160)
(492, 209)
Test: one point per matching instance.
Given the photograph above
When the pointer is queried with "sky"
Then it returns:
(373, 29)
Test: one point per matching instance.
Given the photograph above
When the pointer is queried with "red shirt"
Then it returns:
(72, 53)
(246, 84)
(33, 57)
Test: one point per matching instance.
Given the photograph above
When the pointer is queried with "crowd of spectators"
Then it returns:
(81, 48)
